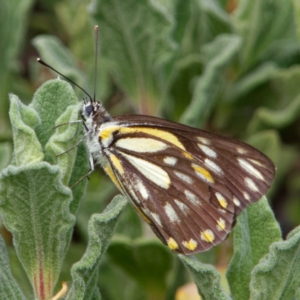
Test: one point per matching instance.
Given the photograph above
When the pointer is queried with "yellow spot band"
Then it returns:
(172, 244)
(107, 132)
(112, 176)
(117, 164)
(221, 224)
(141, 213)
(203, 173)
(208, 236)
(158, 133)
(187, 155)
(191, 244)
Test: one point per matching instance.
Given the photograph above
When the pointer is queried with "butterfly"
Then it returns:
(188, 184)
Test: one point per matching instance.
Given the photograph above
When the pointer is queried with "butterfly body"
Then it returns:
(188, 184)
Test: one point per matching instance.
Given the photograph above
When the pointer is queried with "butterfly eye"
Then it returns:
(88, 110)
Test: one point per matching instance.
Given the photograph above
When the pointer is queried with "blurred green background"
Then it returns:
(227, 66)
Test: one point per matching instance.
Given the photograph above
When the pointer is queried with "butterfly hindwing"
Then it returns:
(188, 184)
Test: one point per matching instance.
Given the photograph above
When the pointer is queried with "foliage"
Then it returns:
(228, 66)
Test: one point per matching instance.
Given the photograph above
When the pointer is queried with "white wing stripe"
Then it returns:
(151, 171)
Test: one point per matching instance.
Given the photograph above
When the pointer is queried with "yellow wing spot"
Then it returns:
(172, 244)
(191, 244)
(221, 200)
(162, 134)
(203, 173)
(207, 235)
(187, 155)
(107, 133)
(112, 176)
(117, 164)
(221, 224)
(141, 213)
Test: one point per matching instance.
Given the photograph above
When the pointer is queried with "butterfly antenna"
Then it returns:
(39, 60)
(96, 31)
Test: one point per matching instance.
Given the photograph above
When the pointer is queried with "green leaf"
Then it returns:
(262, 74)
(35, 208)
(147, 262)
(5, 154)
(27, 148)
(115, 284)
(286, 104)
(261, 24)
(52, 50)
(80, 169)
(64, 138)
(206, 278)
(256, 229)
(135, 42)
(218, 54)
(277, 276)
(13, 24)
(296, 10)
(51, 101)
(85, 272)
(9, 288)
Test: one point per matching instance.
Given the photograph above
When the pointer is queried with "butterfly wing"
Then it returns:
(188, 184)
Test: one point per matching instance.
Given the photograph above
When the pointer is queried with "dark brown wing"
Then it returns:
(188, 184)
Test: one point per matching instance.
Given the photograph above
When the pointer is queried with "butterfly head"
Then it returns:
(93, 112)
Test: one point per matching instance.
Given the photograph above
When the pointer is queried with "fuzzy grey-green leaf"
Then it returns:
(27, 148)
(206, 278)
(34, 206)
(256, 229)
(135, 43)
(277, 276)
(65, 138)
(218, 54)
(58, 56)
(85, 272)
(51, 101)
(9, 288)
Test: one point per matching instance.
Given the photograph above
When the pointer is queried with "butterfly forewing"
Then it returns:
(188, 184)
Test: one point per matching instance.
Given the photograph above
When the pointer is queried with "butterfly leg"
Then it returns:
(75, 146)
(91, 169)
(67, 123)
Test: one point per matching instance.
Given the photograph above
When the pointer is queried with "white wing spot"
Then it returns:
(250, 169)
(133, 194)
(246, 196)
(251, 184)
(208, 151)
(203, 140)
(213, 166)
(236, 201)
(182, 207)
(151, 171)
(156, 218)
(142, 145)
(142, 189)
(192, 197)
(184, 177)
(256, 162)
(169, 160)
(241, 150)
(172, 215)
